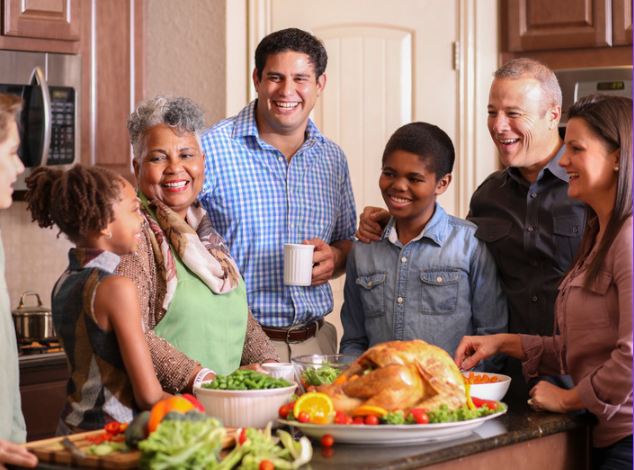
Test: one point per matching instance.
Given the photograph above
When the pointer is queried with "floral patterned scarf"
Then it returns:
(195, 241)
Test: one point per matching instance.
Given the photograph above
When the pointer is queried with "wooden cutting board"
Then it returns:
(52, 451)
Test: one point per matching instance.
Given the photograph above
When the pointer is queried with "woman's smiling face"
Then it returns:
(590, 165)
(171, 168)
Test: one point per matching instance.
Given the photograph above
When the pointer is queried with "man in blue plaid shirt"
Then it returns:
(272, 178)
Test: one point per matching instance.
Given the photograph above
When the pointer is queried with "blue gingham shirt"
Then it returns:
(439, 287)
(258, 202)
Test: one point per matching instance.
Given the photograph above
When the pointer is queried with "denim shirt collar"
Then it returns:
(434, 230)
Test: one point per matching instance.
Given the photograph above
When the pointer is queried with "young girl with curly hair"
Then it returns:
(96, 312)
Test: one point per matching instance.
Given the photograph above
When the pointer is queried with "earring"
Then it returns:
(109, 236)
(616, 168)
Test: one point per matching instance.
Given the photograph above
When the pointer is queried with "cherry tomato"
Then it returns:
(420, 416)
(327, 452)
(243, 436)
(371, 420)
(358, 420)
(304, 417)
(340, 418)
(266, 465)
(348, 419)
(478, 402)
(283, 412)
(492, 405)
(327, 440)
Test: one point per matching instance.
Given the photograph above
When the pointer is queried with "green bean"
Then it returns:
(245, 379)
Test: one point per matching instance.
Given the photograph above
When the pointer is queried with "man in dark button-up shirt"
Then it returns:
(523, 213)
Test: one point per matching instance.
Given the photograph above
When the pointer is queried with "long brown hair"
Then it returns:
(609, 117)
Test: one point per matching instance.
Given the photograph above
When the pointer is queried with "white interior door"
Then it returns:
(390, 63)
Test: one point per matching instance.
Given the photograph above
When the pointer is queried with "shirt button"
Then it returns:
(439, 279)
(491, 236)
(400, 300)
(369, 283)
(535, 263)
(534, 195)
(404, 259)
(292, 225)
(530, 229)
(534, 298)
(575, 230)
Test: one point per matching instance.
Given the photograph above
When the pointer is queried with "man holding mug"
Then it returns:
(272, 179)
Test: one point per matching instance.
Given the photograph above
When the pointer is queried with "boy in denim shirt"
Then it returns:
(428, 277)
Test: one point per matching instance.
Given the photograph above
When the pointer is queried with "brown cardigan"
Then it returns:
(174, 368)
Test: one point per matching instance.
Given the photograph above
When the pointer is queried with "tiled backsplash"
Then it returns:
(35, 257)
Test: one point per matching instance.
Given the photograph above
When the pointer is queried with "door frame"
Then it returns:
(476, 58)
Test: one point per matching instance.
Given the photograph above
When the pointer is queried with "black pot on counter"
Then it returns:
(33, 323)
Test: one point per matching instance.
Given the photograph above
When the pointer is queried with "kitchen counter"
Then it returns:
(520, 439)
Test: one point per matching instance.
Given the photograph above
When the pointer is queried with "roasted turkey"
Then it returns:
(399, 375)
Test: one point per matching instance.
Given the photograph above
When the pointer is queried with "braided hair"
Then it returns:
(77, 201)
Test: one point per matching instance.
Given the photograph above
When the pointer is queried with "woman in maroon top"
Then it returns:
(594, 307)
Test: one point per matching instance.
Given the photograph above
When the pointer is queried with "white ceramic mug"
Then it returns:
(298, 264)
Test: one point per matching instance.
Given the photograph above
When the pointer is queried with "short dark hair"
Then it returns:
(432, 145)
(292, 39)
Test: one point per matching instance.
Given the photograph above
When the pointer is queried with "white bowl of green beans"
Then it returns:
(245, 398)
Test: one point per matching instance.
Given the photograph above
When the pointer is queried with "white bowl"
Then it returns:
(244, 408)
(490, 391)
(280, 370)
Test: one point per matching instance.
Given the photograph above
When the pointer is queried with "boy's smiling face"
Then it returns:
(409, 189)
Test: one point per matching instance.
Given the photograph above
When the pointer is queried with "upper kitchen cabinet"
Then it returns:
(568, 33)
(41, 25)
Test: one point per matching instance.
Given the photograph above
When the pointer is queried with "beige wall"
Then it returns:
(185, 56)
(186, 52)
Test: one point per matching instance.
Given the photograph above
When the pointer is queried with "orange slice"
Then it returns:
(368, 410)
(314, 403)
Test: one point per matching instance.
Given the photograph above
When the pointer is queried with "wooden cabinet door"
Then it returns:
(622, 22)
(41, 25)
(45, 19)
(558, 24)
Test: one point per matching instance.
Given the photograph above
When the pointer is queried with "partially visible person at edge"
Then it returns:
(429, 277)
(193, 299)
(524, 214)
(12, 427)
(594, 306)
(96, 312)
(272, 178)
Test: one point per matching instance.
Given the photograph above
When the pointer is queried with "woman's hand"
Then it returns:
(548, 397)
(372, 221)
(13, 454)
(473, 349)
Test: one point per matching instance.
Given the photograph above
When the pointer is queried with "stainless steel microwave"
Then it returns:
(49, 124)
(577, 83)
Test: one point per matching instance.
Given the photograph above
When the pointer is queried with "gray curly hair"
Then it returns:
(178, 112)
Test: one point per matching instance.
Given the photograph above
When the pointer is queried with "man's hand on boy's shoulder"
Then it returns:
(372, 222)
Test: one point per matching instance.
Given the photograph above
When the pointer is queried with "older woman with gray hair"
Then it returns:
(192, 296)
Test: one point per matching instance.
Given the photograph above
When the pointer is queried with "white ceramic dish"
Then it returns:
(280, 370)
(244, 408)
(490, 391)
(387, 434)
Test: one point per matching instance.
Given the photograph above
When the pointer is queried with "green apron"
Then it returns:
(208, 327)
